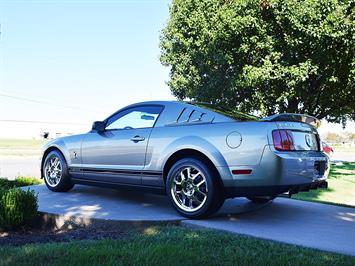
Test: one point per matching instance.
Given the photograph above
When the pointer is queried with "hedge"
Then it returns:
(17, 208)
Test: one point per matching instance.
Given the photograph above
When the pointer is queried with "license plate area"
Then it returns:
(305, 141)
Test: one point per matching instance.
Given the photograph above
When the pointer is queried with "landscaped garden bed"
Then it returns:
(42, 232)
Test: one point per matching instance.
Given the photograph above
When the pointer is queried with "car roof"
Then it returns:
(165, 103)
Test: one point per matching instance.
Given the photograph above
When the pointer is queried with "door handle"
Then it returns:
(137, 139)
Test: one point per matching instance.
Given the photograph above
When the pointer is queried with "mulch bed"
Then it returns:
(23, 236)
(44, 229)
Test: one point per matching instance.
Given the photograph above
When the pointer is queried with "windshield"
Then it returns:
(226, 112)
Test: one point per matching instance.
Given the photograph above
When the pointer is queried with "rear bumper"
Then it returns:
(272, 190)
(279, 172)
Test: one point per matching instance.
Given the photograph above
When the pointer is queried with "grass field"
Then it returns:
(171, 246)
(21, 143)
(341, 189)
(21, 147)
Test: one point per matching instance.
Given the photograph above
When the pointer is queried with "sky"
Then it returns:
(70, 63)
(77, 62)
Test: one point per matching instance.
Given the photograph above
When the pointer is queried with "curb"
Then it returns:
(50, 221)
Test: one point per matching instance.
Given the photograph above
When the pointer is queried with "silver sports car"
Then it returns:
(198, 154)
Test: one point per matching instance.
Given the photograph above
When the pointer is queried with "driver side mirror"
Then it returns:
(98, 126)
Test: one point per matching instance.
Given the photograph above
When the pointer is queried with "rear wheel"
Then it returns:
(263, 199)
(55, 172)
(193, 188)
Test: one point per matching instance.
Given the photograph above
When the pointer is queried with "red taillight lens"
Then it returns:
(283, 140)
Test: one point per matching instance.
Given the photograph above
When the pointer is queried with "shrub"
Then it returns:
(4, 183)
(23, 181)
(17, 208)
(19, 182)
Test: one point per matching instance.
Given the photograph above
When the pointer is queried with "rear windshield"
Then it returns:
(226, 112)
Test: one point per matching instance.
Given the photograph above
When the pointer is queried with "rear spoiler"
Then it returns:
(311, 120)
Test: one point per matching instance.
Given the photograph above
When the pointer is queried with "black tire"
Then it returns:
(214, 196)
(65, 184)
(263, 199)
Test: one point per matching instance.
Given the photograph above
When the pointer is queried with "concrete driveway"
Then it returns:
(315, 225)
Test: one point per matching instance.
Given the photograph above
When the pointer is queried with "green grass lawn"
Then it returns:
(341, 189)
(171, 246)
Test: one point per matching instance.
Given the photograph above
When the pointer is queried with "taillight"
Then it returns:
(283, 140)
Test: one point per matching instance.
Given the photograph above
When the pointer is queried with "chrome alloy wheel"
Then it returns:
(53, 171)
(189, 189)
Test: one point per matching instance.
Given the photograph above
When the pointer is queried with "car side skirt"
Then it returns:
(113, 176)
(123, 186)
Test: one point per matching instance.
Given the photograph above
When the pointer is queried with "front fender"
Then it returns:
(54, 144)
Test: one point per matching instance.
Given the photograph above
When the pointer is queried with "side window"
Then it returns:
(137, 117)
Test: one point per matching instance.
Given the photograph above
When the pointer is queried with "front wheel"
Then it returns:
(193, 189)
(55, 172)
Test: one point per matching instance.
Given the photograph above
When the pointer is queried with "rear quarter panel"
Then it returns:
(210, 139)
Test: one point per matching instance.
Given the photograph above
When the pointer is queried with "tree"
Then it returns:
(264, 56)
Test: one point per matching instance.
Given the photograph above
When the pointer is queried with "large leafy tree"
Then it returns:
(264, 56)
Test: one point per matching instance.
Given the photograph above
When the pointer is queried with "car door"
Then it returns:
(117, 154)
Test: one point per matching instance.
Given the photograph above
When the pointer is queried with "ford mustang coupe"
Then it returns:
(197, 154)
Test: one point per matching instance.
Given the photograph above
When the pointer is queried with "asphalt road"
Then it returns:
(343, 156)
(314, 225)
(14, 166)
